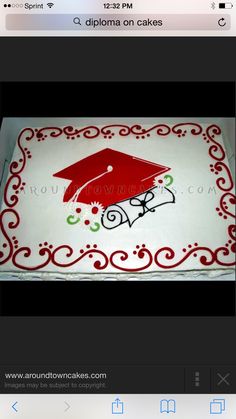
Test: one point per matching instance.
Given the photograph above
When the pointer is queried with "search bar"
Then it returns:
(90, 22)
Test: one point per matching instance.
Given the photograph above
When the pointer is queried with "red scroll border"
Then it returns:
(164, 257)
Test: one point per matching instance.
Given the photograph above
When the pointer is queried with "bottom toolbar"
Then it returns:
(130, 406)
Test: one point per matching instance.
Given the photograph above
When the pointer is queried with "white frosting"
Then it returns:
(191, 219)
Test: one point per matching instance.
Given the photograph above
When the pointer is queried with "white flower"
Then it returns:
(158, 181)
(96, 209)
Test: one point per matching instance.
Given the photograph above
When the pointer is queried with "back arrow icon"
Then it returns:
(67, 407)
(14, 407)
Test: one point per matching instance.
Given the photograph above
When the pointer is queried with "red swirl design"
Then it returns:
(159, 129)
(92, 131)
(88, 132)
(13, 200)
(51, 131)
(109, 130)
(232, 231)
(137, 130)
(179, 129)
(124, 256)
(211, 132)
(17, 167)
(169, 254)
(225, 252)
(26, 252)
(232, 235)
(64, 256)
(12, 225)
(219, 166)
(225, 201)
(89, 253)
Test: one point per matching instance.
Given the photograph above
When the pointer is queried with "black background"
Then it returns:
(118, 99)
(136, 298)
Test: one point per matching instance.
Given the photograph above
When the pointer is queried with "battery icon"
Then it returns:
(225, 5)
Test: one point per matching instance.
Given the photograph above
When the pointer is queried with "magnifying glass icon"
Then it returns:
(76, 20)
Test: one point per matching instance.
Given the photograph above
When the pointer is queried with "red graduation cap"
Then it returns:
(109, 177)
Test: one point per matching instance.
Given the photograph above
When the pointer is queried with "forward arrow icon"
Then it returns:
(67, 407)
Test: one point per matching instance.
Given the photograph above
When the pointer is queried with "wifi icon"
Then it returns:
(50, 5)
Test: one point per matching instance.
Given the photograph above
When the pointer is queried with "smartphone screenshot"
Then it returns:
(132, 18)
(117, 209)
